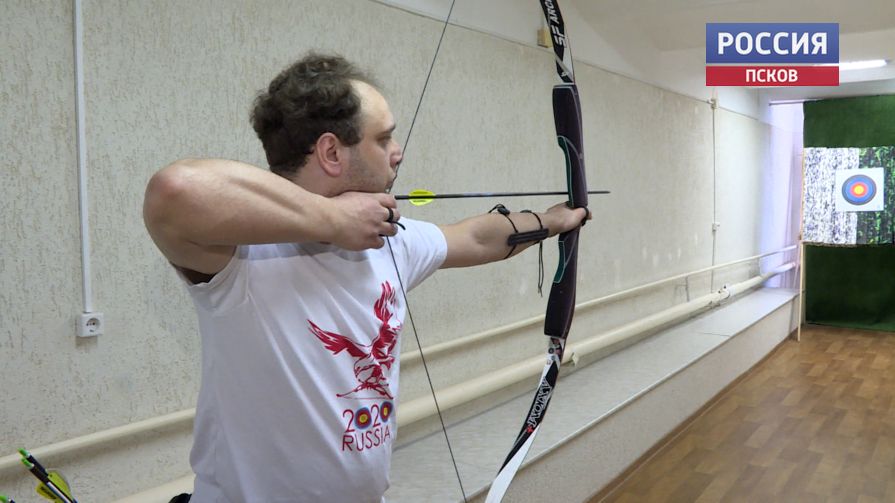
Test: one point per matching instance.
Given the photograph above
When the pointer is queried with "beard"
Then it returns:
(362, 177)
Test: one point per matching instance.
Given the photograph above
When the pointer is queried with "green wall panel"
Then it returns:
(850, 286)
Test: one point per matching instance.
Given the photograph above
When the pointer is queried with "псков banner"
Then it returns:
(772, 54)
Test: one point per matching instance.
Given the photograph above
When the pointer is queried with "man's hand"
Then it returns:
(562, 218)
(360, 219)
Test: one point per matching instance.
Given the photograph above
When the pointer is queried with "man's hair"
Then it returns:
(313, 96)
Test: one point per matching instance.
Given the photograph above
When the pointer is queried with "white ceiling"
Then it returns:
(674, 31)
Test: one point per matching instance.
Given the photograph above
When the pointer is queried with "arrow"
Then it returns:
(53, 486)
(420, 197)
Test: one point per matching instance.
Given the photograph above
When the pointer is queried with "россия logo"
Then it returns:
(772, 54)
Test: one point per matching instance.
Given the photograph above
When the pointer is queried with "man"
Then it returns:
(299, 301)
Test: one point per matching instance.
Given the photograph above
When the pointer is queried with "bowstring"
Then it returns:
(426, 368)
(398, 272)
(425, 87)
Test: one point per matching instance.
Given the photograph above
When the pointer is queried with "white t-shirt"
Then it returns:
(300, 346)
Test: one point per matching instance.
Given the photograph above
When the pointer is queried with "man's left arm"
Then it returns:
(483, 238)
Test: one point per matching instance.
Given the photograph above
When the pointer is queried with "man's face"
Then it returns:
(375, 159)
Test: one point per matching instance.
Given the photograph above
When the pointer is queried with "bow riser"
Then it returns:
(561, 303)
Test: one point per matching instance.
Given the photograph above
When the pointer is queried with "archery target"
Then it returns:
(362, 418)
(385, 410)
(860, 189)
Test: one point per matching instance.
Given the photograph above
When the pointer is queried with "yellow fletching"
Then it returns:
(420, 197)
(60, 482)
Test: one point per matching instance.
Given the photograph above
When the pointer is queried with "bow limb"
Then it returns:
(561, 303)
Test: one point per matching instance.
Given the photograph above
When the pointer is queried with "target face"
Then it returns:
(362, 418)
(386, 411)
(860, 189)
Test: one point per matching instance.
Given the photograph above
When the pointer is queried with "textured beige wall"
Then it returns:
(166, 80)
(743, 146)
(46, 375)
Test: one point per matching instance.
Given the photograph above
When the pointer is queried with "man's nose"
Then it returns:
(397, 157)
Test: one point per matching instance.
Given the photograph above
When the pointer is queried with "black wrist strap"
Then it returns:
(505, 212)
(540, 235)
(525, 237)
(516, 238)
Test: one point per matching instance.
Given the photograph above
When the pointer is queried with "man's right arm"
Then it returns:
(198, 211)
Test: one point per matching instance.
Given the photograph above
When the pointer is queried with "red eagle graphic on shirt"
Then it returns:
(374, 360)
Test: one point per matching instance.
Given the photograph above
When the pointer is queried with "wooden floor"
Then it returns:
(813, 422)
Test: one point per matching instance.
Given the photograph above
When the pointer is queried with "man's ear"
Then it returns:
(330, 154)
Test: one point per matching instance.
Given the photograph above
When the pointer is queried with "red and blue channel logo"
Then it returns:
(772, 54)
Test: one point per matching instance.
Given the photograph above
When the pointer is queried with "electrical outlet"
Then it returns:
(91, 324)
